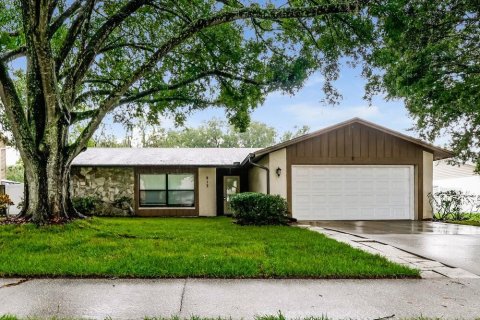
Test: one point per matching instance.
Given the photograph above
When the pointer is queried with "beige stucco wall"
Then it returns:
(427, 183)
(278, 185)
(3, 160)
(257, 177)
(207, 187)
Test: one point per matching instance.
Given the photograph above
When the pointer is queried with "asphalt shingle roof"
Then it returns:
(162, 156)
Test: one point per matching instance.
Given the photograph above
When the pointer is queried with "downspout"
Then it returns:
(250, 157)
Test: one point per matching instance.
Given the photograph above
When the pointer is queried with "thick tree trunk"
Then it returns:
(48, 197)
(47, 178)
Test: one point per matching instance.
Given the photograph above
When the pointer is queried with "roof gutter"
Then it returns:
(267, 170)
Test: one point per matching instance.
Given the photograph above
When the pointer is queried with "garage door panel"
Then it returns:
(352, 192)
(318, 185)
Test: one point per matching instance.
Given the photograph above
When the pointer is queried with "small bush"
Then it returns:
(86, 205)
(123, 201)
(451, 204)
(251, 208)
(5, 203)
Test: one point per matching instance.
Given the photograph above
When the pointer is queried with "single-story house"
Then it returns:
(355, 170)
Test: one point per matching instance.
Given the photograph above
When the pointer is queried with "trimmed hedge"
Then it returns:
(252, 208)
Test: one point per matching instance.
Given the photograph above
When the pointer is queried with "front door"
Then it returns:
(231, 186)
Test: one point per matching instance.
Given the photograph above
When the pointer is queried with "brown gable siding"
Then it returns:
(356, 144)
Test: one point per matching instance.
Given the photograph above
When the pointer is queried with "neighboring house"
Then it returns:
(460, 177)
(355, 170)
(455, 177)
(12, 188)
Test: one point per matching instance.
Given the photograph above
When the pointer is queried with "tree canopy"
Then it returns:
(66, 65)
(86, 59)
(214, 133)
(428, 54)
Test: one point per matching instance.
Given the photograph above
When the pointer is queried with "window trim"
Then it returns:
(167, 190)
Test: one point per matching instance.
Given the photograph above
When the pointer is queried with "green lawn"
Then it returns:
(472, 220)
(182, 247)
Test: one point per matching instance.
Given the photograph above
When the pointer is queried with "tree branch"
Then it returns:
(140, 46)
(58, 22)
(174, 86)
(13, 54)
(190, 30)
(72, 35)
(195, 101)
(135, 97)
(91, 93)
(84, 115)
(14, 111)
(87, 56)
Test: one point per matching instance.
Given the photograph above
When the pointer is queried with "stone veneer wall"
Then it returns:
(106, 183)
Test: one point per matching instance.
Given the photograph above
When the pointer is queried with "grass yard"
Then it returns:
(183, 247)
(472, 220)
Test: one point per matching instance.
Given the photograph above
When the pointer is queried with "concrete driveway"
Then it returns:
(454, 245)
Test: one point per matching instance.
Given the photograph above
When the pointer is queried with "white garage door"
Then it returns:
(352, 192)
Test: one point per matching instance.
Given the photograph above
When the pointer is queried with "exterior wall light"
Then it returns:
(278, 171)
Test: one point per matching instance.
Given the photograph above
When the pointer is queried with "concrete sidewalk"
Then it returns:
(135, 299)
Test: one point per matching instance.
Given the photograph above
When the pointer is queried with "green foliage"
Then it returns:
(5, 202)
(121, 201)
(252, 208)
(16, 172)
(449, 205)
(214, 133)
(232, 64)
(86, 205)
(182, 247)
(428, 54)
(471, 219)
(298, 131)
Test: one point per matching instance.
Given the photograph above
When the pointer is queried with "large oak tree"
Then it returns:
(85, 59)
(427, 53)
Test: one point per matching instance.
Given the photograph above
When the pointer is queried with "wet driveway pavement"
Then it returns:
(454, 245)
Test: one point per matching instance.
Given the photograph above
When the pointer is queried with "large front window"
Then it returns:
(167, 190)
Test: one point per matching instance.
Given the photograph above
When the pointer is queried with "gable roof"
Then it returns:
(162, 156)
(438, 153)
(228, 157)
